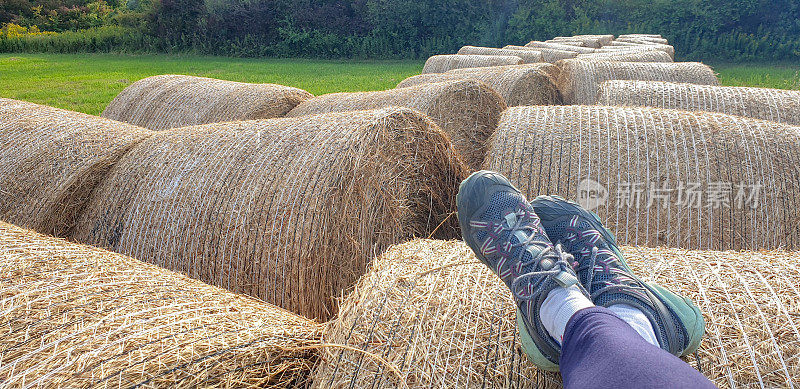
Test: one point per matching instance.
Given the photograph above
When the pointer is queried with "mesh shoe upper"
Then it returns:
(499, 224)
(602, 270)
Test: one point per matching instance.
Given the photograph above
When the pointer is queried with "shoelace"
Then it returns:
(624, 281)
(557, 261)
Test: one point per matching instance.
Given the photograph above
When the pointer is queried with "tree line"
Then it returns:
(699, 29)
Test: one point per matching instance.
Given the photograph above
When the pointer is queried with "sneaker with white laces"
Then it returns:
(602, 270)
(500, 226)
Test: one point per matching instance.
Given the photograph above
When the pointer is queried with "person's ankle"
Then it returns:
(558, 308)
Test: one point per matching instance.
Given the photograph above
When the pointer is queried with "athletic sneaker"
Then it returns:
(498, 223)
(602, 271)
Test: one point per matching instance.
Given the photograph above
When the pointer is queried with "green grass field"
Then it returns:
(87, 82)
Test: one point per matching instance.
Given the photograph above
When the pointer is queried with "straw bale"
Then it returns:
(663, 47)
(528, 56)
(624, 49)
(518, 84)
(286, 210)
(663, 177)
(51, 159)
(579, 80)
(570, 42)
(585, 40)
(436, 317)
(79, 316)
(548, 55)
(169, 101)
(628, 56)
(643, 39)
(640, 36)
(443, 63)
(780, 106)
(467, 110)
(557, 46)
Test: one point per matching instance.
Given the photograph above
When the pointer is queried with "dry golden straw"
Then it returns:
(442, 319)
(528, 56)
(518, 84)
(640, 44)
(628, 56)
(169, 101)
(79, 316)
(780, 106)
(571, 42)
(578, 49)
(51, 159)
(548, 55)
(287, 210)
(673, 178)
(443, 63)
(467, 110)
(579, 81)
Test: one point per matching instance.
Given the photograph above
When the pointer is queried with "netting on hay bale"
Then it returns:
(467, 110)
(643, 39)
(780, 106)
(557, 46)
(529, 84)
(664, 47)
(445, 62)
(169, 101)
(428, 314)
(79, 316)
(660, 177)
(528, 56)
(640, 36)
(628, 56)
(579, 81)
(568, 42)
(548, 55)
(286, 210)
(593, 41)
(52, 159)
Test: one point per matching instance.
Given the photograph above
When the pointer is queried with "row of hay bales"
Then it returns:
(289, 210)
(426, 314)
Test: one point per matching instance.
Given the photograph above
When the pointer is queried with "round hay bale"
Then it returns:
(286, 210)
(467, 110)
(79, 316)
(579, 81)
(660, 177)
(528, 56)
(558, 46)
(548, 55)
(628, 56)
(443, 63)
(625, 49)
(643, 39)
(52, 159)
(663, 47)
(169, 101)
(640, 36)
(437, 317)
(780, 106)
(571, 42)
(518, 84)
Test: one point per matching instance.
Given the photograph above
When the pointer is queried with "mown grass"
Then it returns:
(87, 82)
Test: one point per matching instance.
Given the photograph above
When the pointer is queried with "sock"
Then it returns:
(559, 306)
(636, 319)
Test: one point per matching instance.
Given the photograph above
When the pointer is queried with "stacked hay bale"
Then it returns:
(593, 41)
(557, 46)
(79, 316)
(570, 42)
(780, 106)
(548, 55)
(518, 84)
(169, 101)
(660, 177)
(286, 210)
(52, 159)
(443, 63)
(528, 56)
(658, 46)
(437, 317)
(628, 56)
(643, 39)
(467, 110)
(579, 81)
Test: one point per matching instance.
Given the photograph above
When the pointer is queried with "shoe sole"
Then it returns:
(690, 314)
